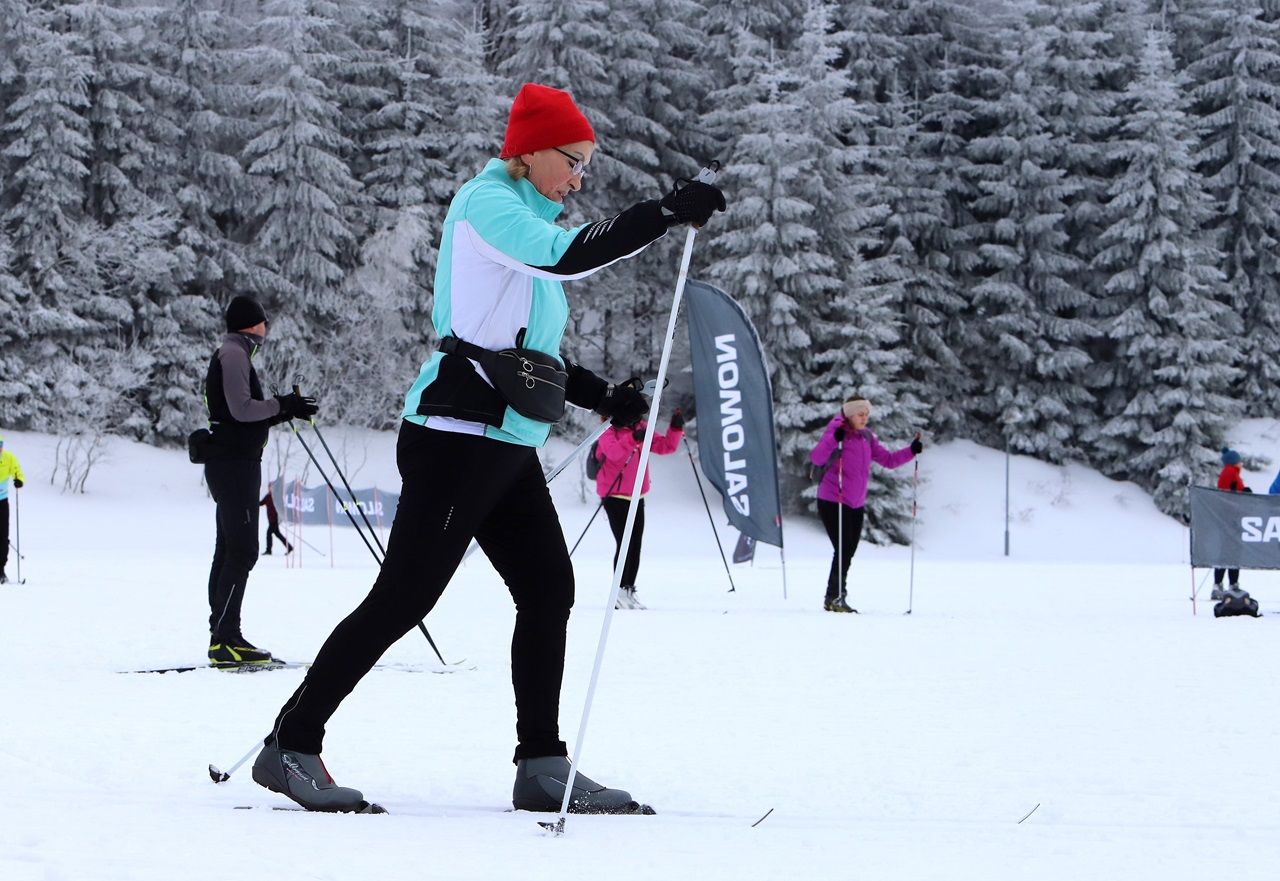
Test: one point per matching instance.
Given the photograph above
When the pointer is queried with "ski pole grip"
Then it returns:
(709, 172)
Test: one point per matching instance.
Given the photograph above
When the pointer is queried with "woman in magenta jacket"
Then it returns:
(619, 454)
(849, 447)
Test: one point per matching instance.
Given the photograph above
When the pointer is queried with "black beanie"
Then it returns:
(244, 312)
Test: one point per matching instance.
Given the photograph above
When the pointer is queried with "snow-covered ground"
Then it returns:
(1070, 678)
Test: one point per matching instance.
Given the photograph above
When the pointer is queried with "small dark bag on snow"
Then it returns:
(531, 382)
(1236, 602)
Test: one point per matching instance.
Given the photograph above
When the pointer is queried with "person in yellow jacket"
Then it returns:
(9, 467)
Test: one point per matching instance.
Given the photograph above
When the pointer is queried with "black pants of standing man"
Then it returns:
(234, 485)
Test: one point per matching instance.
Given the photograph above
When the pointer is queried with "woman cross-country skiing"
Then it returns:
(469, 460)
(843, 490)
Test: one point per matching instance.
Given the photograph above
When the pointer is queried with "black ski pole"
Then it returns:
(350, 492)
(617, 481)
(710, 519)
(377, 559)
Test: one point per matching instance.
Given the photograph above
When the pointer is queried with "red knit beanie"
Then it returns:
(543, 117)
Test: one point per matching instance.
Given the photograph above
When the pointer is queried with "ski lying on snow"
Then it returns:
(365, 808)
(455, 667)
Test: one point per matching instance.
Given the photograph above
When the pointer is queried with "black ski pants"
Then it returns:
(615, 508)
(456, 487)
(273, 528)
(850, 521)
(235, 485)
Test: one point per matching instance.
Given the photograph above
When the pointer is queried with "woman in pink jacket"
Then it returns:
(618, 452)
(849, 447)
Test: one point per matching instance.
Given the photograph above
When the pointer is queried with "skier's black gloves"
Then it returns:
(17, 483)
(295, 406)
(840, 434)
(1245, 489)
(582, 388)
(637, 434)
(916, 447)
(677, 421)
(623, 403)
(691, 202)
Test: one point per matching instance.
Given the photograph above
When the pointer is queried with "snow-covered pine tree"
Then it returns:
(1031, 310)
(46, 148)
(308, 202)
(945, 62)
(1166, 376)
(571, 46)
(400, 136)
(656, 91)
(130, 246)
(788, 251)
(1238, 102)
(196, 115)
(1085, 44)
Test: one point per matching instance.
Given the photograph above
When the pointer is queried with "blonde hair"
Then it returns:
(516, 169)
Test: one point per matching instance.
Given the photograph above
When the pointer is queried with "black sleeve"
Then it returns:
(607, 241)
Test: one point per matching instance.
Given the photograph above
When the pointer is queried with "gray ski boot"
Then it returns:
(540, 787)
(304, 778)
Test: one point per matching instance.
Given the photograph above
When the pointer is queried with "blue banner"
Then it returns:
(316, 506)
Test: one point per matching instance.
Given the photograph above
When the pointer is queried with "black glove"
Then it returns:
(1246, 489)
(677, 421)
(295, 406)
(840, 434)
(691, 202)
(916, 446)
(582, 388)
(17, 483)
(623, 403)
(637, 434)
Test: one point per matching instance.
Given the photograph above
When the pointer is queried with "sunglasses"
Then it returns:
(579, 168)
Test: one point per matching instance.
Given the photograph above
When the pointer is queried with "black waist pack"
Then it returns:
(199, 446)
(531, 382)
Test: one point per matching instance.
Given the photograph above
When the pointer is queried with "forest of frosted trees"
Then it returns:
(1049, 225)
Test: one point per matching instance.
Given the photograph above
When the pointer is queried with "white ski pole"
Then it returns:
(707, 175)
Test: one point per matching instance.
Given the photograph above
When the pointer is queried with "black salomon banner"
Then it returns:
(736, 445)
(1231, 530)
(316, 506)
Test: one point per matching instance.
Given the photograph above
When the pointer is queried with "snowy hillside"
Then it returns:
(1070, 681)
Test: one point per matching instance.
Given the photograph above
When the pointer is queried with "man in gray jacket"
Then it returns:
(239, 420)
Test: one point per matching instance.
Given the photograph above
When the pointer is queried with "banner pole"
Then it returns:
(710, 519)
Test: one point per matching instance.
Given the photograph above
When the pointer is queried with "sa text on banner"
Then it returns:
(1231, 530)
